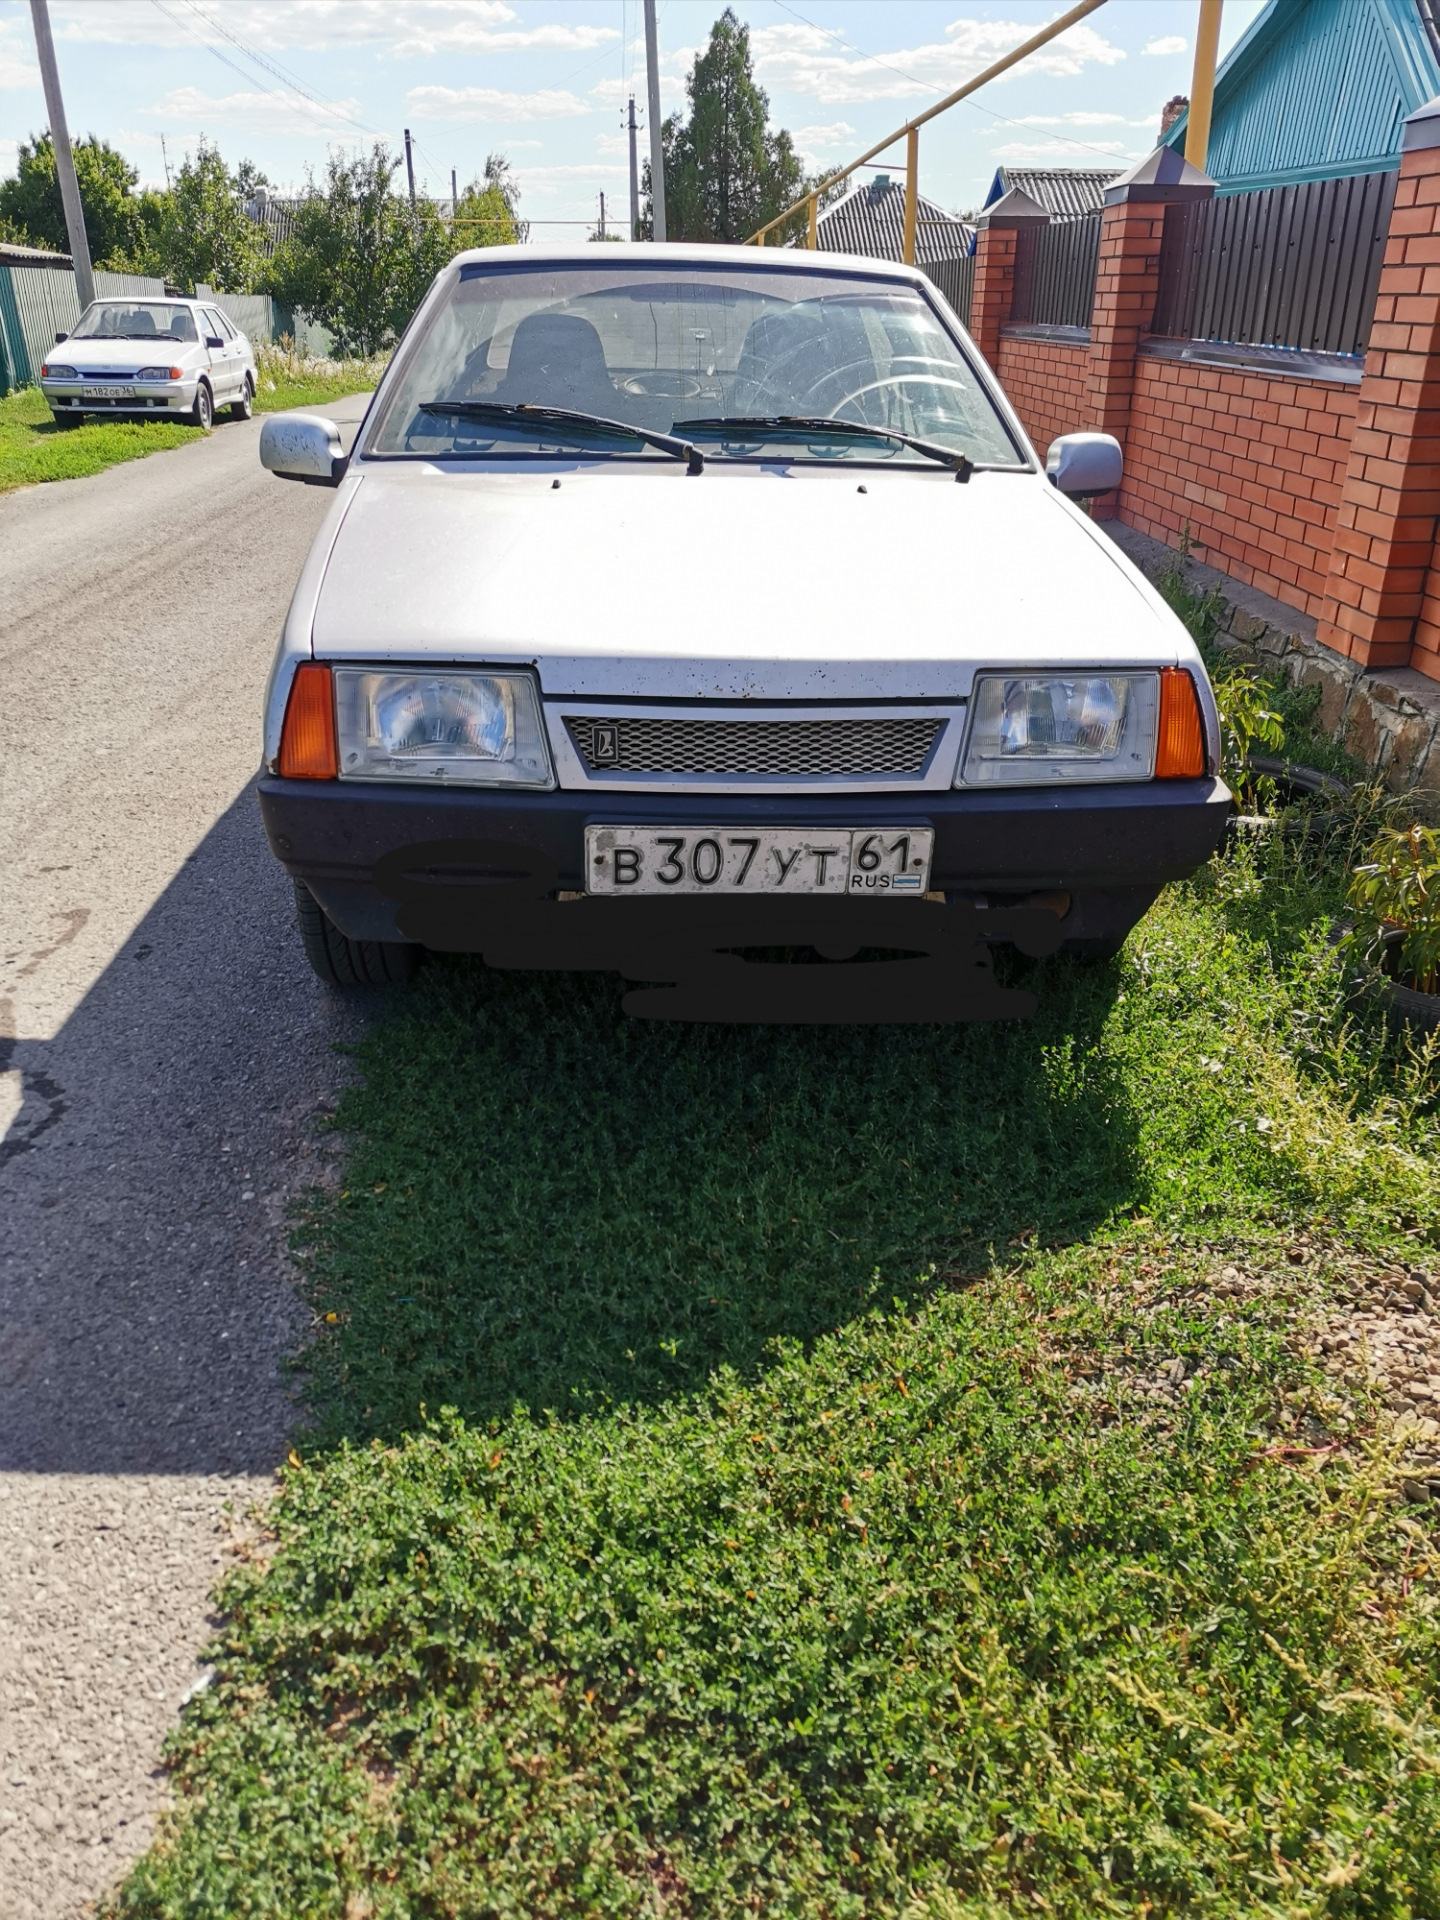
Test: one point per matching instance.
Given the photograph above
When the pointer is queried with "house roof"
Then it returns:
(1066, 192)
(1317, 89)
(870, 219)
(13, 255)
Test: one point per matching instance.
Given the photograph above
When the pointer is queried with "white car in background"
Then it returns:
(145, 355)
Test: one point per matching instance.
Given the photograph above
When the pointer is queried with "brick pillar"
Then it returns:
(1127, 281)
(1382, 598)
(997, 232)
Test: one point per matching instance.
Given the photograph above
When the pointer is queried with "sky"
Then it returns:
(281, 82)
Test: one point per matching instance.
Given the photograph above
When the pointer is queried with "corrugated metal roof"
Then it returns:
(1317, 89)
(1068, 192)
(14, 255)
(871, 220)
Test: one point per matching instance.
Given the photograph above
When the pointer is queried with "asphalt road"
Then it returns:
(166, 1060)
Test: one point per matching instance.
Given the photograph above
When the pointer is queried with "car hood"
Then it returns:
(120, 356)
(749, 583)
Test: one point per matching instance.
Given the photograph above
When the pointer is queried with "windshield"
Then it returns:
(135, 320)
(746, 363)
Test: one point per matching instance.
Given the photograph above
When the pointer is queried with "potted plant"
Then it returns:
(1395, 897)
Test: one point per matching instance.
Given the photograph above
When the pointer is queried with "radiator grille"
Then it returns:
(775, 749)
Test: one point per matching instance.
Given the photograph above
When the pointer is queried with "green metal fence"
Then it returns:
(36, 303)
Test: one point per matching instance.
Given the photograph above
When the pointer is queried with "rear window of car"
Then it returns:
(695, 351)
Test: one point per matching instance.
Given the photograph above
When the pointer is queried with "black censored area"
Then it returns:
(494, 899)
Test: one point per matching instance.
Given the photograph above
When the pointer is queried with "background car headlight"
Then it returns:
(1027, 730)
(444, 724)
(47, 372)
(160, 373)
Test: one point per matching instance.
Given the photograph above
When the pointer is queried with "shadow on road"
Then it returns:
(145, 1295)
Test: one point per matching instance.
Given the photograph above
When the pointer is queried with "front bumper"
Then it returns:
(150, 397)
(1111, 848)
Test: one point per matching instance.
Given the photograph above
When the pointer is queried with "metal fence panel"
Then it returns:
(36, 303)
(1055, 269)
(1291, 266)
(956, 280)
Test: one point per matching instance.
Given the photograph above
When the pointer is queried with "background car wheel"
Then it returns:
(343, 962)
(242, 408)
(65, 421)
(203, 411)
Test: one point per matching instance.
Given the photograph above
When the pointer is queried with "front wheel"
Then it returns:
(242, 408)
(342, 962)
(203, 411)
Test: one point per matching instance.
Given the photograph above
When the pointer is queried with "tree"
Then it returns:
(485, 216)
(115, 216)
(726, 171)
(360, 258)
(205, 234)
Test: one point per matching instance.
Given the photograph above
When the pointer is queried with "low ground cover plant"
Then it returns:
(291, 377)
(1395, 899)
(828, 1473)
(33, 448)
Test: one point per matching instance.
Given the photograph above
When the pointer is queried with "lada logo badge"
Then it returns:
(604, 744)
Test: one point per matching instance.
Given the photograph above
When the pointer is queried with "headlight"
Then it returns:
(469, 729)
(160, 373)
(1027, 730)
(47, 372)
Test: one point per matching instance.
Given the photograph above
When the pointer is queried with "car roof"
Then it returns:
(692, 253)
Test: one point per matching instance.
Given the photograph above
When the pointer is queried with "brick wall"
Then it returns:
(1046, 384)
(1254, 465)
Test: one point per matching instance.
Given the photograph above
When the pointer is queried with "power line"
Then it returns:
(281, 73)
(226, 61)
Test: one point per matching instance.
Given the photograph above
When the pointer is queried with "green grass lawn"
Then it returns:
(33, 448)
(289, 379)
(750, 1472)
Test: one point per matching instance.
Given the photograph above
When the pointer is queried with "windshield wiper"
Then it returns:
(525, 411)
(792, 422)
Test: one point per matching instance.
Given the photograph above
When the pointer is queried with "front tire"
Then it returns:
(242, 408)
(202, 414)
(342, 962)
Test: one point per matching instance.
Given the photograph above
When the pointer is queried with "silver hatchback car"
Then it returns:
(146, 355)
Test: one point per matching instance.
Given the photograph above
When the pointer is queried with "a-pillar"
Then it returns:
(1382, 598)
(1127, 281)
(997, 234)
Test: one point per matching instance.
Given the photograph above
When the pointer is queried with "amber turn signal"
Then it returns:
(1180, 752)
(307, 740)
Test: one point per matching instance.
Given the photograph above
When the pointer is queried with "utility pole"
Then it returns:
(657, 143)
(1202, 84)
(454, 197)
(64, 158)
(634, 178)
(410, 169)
(602, 213)
(165, 162)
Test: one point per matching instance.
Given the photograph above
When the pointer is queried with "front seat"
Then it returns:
(557, 360)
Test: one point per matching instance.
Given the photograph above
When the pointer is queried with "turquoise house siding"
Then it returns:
(1318, 89)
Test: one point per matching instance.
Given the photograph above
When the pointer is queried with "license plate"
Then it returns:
(866, 862)
(107, 393)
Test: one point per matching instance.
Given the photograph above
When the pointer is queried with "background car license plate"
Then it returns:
(865, 861)
(107, 393)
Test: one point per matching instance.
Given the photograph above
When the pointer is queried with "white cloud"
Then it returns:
(16, 73)
(419, 26)
(817, 139)
(541, 182)
(802, 59)
(1078, 119)
(1167, 43)
(488, 103)
(189, 110)
(477, 39)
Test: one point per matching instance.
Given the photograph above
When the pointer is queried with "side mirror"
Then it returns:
(1083, 465)
(214, 340)
(61, 336)
(303, 446)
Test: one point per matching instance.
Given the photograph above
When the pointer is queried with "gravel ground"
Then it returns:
(166, 1063)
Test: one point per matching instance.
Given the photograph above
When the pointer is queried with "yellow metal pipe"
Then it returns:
(1202, 86)
(912, 193)
(1023, 52)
